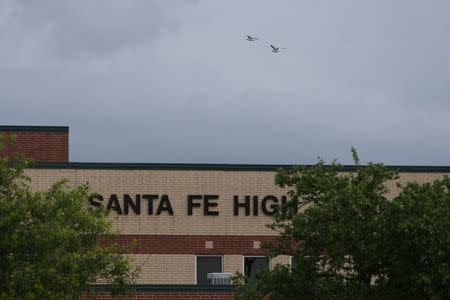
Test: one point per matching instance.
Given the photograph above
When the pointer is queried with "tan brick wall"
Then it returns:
(414, 177)
(233, 264)
(180, 269)
(178, 185)
(282, 260)
(165, 268)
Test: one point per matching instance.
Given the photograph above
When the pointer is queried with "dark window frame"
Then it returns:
(267, 258)
(196, 264)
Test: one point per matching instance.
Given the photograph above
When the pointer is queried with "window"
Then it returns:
(312, 266)
(253, 264)
(207, 264)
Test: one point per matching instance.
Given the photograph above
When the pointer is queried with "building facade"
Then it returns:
(188, 220)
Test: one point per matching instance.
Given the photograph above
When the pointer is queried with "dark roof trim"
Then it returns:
(211, 167)
(9, 128)
(174, 288)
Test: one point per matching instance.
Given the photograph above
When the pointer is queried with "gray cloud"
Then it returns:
(82, 29)
(160, 81)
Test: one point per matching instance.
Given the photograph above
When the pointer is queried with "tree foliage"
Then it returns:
(50, 244)
(349, 242)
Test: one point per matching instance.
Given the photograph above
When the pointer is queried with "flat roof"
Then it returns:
(213, 167)
(13, 128)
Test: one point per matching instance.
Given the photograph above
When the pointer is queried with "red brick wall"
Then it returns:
(195, 244)
(170, 295)
(42, 145)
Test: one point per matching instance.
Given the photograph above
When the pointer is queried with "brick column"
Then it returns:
(42, 143)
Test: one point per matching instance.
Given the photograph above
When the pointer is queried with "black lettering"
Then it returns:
(255, 205)
(113, 200)
(273, 206)
(167, 207)
(246, 204)
(207, 205)
(129, 202)
(95, 203)
(191, 204)
(150, 199)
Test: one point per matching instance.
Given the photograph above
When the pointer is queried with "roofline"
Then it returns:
(212, 167)
(13, 128)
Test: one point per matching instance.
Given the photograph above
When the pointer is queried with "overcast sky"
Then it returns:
(176, 81)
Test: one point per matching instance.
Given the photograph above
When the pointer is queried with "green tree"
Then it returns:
(349, 242)
(415, 249)
(51, 242)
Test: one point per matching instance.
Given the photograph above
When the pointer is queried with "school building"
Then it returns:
(194, 224)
